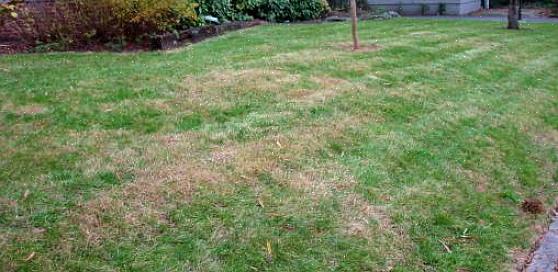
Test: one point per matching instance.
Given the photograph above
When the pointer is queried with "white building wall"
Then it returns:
(428, 7)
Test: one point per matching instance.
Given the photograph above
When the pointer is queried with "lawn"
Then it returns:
(276, 148)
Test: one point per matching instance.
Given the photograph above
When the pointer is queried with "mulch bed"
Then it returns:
(12, 47)
(158, 42)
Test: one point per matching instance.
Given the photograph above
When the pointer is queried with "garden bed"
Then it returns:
(193, 35)
(157, 42)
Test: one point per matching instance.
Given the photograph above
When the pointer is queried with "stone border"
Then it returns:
(545, 256)
(197, 34)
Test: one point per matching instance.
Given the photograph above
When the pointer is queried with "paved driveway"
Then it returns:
(487, 18)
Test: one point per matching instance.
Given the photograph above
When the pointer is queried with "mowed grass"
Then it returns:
(275, 148)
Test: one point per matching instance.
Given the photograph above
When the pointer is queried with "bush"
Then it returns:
(306, 10)
(78, 22)
(442, 9)
(222, 9)
(554, 10)
(64, 24)
(132, 18)
(283, 10)
(44, 22)
(8, 10)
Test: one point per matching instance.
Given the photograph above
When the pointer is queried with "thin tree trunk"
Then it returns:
(513, 15)
(356, 43)
(520, 10)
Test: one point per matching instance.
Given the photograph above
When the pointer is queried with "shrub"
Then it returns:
(65, 24)
(44, 22)
(554, 10)
(424, 9)
(442, 8)
(306, 10)
(222, 9)
(8, 16)
(78, 22)
(136, 17)
(283, 10)
(8, 10)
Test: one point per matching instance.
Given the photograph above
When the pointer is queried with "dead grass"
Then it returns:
(373, 223)
(362, 49)
(30, 109)
(329, 87)
(268, 153)
(520, 259)
(211, 84)
(171, 171)
(357, 214)
(480, 180)
(153, 192)
(548, 138)
(422, 33)
(310, 56)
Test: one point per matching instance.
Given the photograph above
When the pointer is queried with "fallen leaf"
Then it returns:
(30, 256)
(269, 253)
(446, 247)
(26, 194)
(289, 227)
(260, 202)
(38, 230)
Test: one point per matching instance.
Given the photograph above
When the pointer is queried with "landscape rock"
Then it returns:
(337, 19)
(381, 16)
(211, 19)
(393, 14)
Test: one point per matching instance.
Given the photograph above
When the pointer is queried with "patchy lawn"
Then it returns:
(276, 148)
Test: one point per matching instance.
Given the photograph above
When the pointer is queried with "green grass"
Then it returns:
(275, 148)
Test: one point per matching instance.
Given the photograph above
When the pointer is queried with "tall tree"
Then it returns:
(356, 43)
(513, 14)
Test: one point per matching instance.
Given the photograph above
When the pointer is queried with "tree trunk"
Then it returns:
(520, 10)
(356, 43)
(513, 15)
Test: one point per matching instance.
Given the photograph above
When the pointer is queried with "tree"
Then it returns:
(356, 43)
(513, 14)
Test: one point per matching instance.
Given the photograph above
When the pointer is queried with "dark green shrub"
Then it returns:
(442, 9)
(344, 4)
(270, 10)
(554, 10)
(275, 10)
(423, 9)
(283, 10)
(307, 10)
(222, 9)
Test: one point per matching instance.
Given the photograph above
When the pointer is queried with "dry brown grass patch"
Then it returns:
(318, 182)
(146, 199)
(269, 153)
(422, 33)
(480, 180)
(373, 223)
(311, 56)
(362, 48)
(548, 138)
(520, 259)
(357, 213)
(166, 171)
(29, 109)
(206, 87)
(329, 87)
